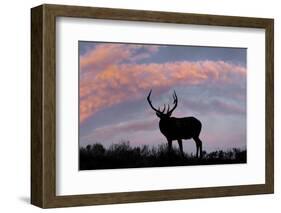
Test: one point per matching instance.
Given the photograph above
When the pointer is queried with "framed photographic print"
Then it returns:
(136, 106)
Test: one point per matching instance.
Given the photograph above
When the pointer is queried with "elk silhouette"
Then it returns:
(178, 128)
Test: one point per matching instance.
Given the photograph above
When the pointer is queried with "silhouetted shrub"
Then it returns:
(122, 155)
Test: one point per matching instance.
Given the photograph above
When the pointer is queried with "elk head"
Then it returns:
(162, 114)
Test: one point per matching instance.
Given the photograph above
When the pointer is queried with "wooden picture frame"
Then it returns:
(43, 105)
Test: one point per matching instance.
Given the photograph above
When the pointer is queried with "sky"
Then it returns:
(115, 79)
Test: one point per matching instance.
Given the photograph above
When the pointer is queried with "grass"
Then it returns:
(123, 155)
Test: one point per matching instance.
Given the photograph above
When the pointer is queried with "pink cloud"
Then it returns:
(227, 108)
(228, 140)
(214, 106)
(108, 54)
(134, 126)
(117, 83)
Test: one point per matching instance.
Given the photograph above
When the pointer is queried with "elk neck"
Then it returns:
(164, 123)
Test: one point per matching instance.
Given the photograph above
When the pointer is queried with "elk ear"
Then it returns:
(169, 114)
(158, 114)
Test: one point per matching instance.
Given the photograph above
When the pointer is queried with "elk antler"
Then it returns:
(175, 104)
(169, 112)
(163, 111)
(149, 101)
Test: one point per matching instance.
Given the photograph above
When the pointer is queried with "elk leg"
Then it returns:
(180, 145)
(198, 146)
(169, 145)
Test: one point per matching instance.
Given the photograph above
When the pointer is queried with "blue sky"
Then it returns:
(115, 79)
(180, 52)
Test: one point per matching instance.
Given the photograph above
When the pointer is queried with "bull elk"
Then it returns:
(178, 128)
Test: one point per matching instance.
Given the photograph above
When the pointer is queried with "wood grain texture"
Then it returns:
(43, 105)
(269, 99)
(36, 106)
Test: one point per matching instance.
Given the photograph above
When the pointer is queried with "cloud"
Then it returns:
(107, 54)
(117, 83)
(214, 106)
(114, 82)
(133, 126)
(145, 131)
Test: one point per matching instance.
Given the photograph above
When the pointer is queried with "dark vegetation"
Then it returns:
(123, 155)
